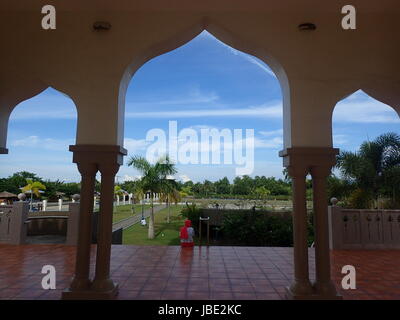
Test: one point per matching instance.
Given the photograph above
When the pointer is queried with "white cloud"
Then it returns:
(263, 111)
(135, 145)
(360, 108)
(340, 139)
(278, 132)
(193, 96)
(43, 143)
(184, 178)
(127, 177)
(50, 104)
(257, 62)
(274, 143)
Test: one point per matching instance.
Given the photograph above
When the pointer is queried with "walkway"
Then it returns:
(126, 223)
(167, 272)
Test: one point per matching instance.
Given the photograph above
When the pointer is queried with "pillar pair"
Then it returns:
(90, 159)
(301, 161)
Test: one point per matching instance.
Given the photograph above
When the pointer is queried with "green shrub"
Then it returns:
(192, 213)
(261, 228)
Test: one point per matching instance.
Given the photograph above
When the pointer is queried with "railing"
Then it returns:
(364, 229)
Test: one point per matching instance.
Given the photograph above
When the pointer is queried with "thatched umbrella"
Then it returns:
(7, 196)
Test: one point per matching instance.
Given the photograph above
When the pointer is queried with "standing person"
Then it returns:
(186, 235)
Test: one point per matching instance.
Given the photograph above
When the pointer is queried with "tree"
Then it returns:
(34, 187)
(373, 168)
(223, 186)
(170, 194)
(138, 194)
(262, 193)
(154, 180)
(118, 192)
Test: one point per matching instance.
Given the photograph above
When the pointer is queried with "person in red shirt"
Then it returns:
(186, 234)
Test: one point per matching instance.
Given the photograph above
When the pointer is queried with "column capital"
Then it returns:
(103, 155)
(87, 168)
(297, 171)
(322, 171)
(309, 157)
(109, 169)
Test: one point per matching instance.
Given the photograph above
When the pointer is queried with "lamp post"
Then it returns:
(170, 179)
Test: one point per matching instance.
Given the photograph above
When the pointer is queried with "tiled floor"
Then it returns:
(157, 272)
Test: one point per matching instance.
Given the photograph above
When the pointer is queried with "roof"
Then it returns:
(6, 194)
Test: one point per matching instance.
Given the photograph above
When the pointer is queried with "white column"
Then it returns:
(117, 200)
(323, 283)
(123, 199)
(44, 205)
(60, 203)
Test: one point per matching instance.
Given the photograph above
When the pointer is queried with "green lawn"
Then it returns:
(125, 211)
(166, 233)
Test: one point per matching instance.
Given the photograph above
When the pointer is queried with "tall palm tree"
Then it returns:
(170, 194)
(34, 187)
(374, 167)
(154, 180)
(117, 193)
(138, 194)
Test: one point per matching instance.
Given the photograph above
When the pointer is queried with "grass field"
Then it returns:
(125, 211)
(166, 233)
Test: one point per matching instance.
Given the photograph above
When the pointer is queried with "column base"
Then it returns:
(90, 294)
(313, 296)
(3, 150)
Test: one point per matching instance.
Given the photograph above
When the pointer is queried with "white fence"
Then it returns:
(364, 229)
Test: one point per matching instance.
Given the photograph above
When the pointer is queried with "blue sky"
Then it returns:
(203, 84)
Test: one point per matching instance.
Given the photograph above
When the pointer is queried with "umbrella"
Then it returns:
(29, 191)
(5, 194)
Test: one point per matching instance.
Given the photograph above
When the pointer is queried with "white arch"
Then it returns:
(6, 113)
(222, 35)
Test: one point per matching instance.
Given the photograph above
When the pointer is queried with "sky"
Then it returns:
(202, 85)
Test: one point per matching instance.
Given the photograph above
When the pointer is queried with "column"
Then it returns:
(90, 158)
(318, 161)
(82, 265)
(102, 281)
(301, 285)
(324, 286)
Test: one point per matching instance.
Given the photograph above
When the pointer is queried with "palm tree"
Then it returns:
(138, 194)
(170, 194)
(117, 192)
(34, 187)
(154, 180)
(374, 168)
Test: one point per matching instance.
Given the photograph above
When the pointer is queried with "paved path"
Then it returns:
(126, 223)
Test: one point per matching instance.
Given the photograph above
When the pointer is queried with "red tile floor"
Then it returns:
(160, 272)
